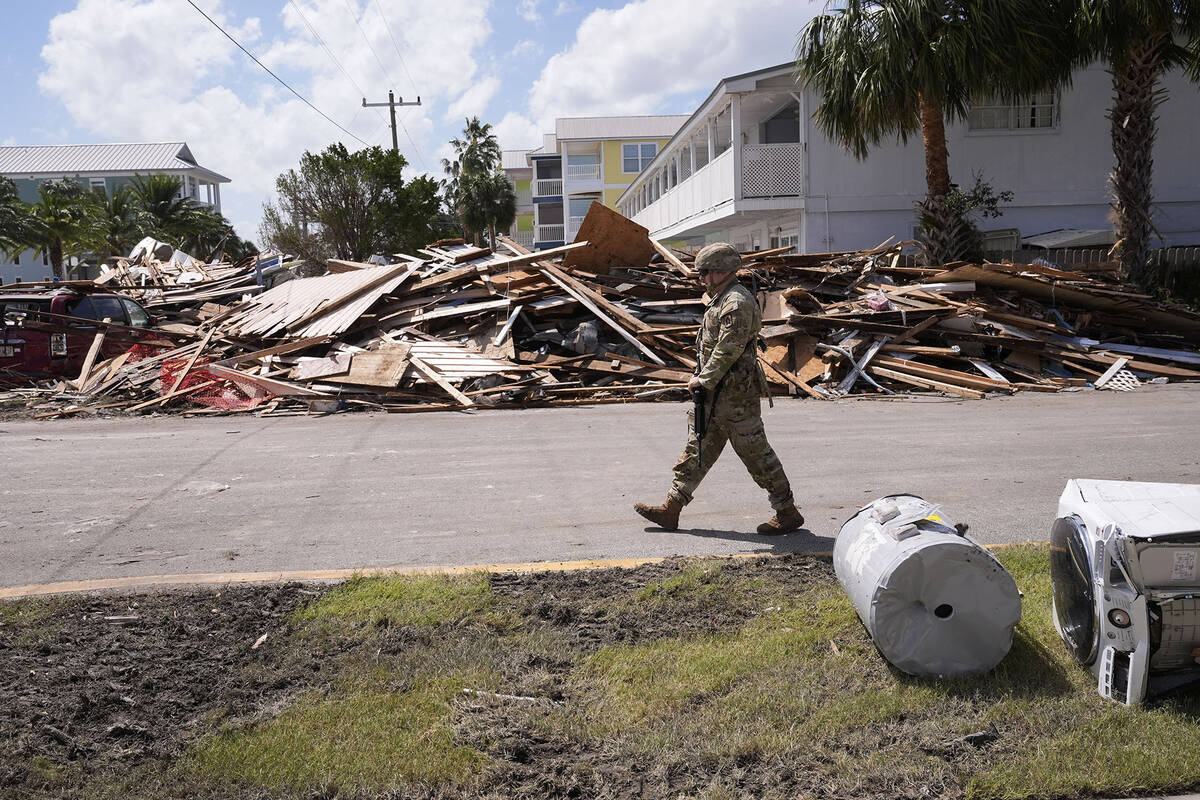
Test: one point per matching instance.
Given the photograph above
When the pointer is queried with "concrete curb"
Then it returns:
(319, 575)
(316, 575)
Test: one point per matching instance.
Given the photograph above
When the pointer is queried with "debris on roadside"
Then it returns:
(610, 319)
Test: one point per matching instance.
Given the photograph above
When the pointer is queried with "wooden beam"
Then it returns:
(432, 375)
(565, 283)
(925, 383)
(191, 362)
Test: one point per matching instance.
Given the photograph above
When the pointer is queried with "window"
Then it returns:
(16, 259)
(97, 185)
(636, 157)
(990, 114)
(109, 308)
(579, 206)
(138, 318)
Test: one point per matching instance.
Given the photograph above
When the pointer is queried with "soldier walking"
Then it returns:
(733, 384)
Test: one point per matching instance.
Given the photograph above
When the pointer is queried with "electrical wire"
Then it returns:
(276, 77)
(399, 55)
(334, 58)
(388, 75)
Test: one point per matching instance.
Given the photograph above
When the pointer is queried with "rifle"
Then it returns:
(699, 423)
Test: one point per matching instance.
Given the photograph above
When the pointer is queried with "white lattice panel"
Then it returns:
(772, 170)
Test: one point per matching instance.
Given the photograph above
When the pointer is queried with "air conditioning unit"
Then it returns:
(1126, 579)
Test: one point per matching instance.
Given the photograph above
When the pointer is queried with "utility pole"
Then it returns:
(391, 104)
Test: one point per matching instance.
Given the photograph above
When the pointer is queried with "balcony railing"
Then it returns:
(575, 222)
(772, 170)
(550, 233)
(523, 238)
(583, 172)
(547, 188)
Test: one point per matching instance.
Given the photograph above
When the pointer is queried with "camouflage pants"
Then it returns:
(739, 422)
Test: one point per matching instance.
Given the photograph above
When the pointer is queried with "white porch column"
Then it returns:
(735, 125)
(217, 196)
(691, 155)
(678, 171)
(712, 141)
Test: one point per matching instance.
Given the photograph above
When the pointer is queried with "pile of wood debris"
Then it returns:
(612, 319)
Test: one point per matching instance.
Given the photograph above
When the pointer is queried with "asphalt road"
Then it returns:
(89, 499)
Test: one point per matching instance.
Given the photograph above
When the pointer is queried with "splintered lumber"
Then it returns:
(93, 351)
(925, 383)
(944, 375)
(421, 367)
(183, 373)
(573, 288)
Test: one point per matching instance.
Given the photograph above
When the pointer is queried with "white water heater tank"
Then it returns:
(933, 601)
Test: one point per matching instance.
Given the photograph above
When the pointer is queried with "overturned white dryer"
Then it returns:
(934, 602)
(1125, 568)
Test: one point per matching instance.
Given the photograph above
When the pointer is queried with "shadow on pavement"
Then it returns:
(801, 541)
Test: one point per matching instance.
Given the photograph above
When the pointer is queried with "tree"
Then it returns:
(489, 201)
(891, 68)
(1139, 40)
(68, 222)
(170, 216)
(124, 222)
(350, 206)
(17, 224)
(476, 155)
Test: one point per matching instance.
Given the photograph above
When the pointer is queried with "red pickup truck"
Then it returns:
(33, 345)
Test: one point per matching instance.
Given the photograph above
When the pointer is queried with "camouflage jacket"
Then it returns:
(726, 341)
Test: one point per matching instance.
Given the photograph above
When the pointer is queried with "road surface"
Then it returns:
(113, 498)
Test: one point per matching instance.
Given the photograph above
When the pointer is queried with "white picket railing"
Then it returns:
(548, 188)
(550, 233)
(583, 172)
(523, 238)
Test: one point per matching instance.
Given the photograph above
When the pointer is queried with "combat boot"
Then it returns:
(665, 516)
(785, 521)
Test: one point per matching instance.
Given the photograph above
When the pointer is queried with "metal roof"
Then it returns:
(70, 159)
(650, 127)
(514, 159)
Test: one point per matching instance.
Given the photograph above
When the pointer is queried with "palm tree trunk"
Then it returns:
(56, 260)
(492, 235)
(1136, 97)
(937, 158)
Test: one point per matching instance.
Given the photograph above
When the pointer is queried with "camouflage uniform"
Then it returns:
(727, 354)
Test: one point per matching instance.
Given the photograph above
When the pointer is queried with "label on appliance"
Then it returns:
(1184, 566)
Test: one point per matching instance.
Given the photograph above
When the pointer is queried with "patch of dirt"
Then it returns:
(108, 682)
(115, 684)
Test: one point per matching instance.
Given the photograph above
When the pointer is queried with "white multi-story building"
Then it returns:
(587, 160)
(101, 167)
(751, 167)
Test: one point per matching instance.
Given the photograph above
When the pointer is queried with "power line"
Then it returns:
(276, 77)
(400, 55)
(387, 74)
(365, 38)
(334, 57)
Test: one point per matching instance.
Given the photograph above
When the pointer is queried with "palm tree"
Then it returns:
(124, 222)
(476, 154)
(169, 213)
(489, 201)
(17, 224)
(1139, 40)
(891, 68)
(68, 222)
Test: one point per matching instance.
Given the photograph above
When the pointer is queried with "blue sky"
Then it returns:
(81, 71)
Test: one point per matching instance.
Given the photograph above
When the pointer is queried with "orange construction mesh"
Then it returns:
(141, 351)
(227, 393)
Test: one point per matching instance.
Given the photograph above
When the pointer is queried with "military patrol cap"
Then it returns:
(718, 257)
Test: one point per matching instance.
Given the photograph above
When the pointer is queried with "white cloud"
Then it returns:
(518, 132)
(618, 64)
(528, 9)
(525, 47)
(162, 73)
(474, 101)
(565, 7)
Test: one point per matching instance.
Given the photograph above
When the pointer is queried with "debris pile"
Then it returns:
(612, 318)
